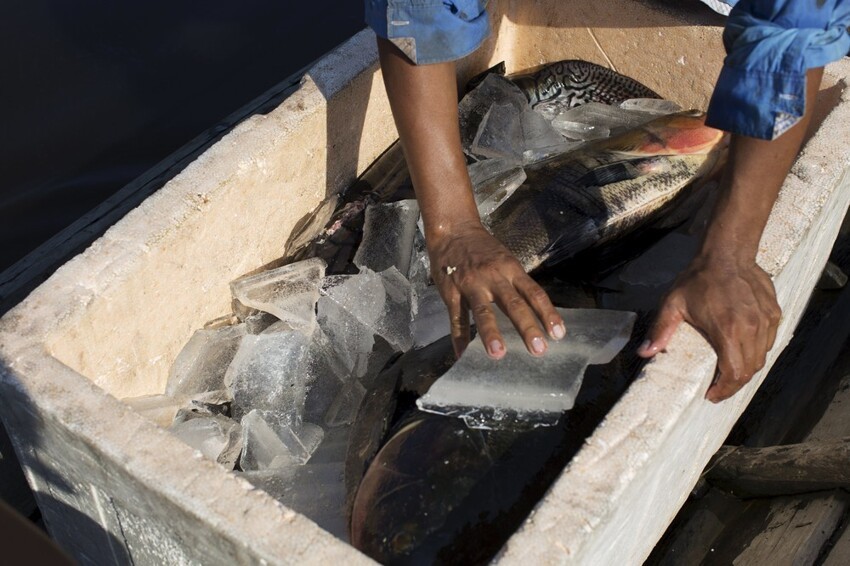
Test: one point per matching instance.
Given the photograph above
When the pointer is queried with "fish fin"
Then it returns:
(585, 234)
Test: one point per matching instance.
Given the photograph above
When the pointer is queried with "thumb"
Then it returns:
(668, 320)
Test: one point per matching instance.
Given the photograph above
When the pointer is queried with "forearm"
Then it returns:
(754, 174)
(424, 104)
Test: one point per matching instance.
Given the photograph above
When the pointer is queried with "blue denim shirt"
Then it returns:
(761, 90)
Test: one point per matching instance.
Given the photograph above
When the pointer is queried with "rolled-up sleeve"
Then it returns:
(770, 44)
(430, 31)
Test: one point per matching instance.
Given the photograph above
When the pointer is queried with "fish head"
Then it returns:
(683, 133)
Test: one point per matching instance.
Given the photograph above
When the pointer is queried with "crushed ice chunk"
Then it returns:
(262, 448)
(549, 109)
(388, 234)
(537, 132)
(289, 292)
(379, 301)
(590, 120)
(330, 369)
(349, 336)
(201, 364)
(431, 319)
(500, 134)
(215, 436)
(656, 106)
(258, 322)
(301, 442)
(270, 373)
(489, 393)
(477, 102)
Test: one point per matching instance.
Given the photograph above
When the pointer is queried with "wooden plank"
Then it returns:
(25, 275)
(782, 470)
(839, 554)
(797, 530)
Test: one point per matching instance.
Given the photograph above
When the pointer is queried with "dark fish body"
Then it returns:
(579, 82)
(588, 197)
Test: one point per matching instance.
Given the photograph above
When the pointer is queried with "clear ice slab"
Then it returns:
(500, 134)
(523, 390)
(201, 364)
(215, 436)
(656, 106)
(379, 301)
(289, 292)
(270, 372)
(591, 120)
(388, 234)
(494, 89)
(431, 317)
(268, 443)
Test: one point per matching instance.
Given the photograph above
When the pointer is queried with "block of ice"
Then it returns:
(521, 388)
(330, 368)
(394, 324)
(590, 120)
(302, 442)
(492, 90)
(493, 182)
(270, 373)
(554, 107)
(289, 292)
(343, 409)
(262, 448)
(430, 319)
(162, 409)
(537, 132)
(500, 134)
(216, 437)
(656, 106)
(388, 234)
(201, 364)
(348, 335)
(379, 301)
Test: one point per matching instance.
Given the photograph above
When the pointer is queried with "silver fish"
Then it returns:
(589, 196)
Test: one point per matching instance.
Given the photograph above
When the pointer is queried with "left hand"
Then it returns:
(734, 306)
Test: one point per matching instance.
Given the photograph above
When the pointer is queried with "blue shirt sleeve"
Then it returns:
(430, 31)
(770, 44)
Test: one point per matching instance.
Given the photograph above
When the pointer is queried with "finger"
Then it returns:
(730, 363)
(542, 305)
(458, 320)
(485, 322)
(666, 322)
(523, 318)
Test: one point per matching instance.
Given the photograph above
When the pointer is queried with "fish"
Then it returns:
(606, 189)
(578, 82)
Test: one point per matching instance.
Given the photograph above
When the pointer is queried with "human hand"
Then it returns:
(473, 270)
(734, 306)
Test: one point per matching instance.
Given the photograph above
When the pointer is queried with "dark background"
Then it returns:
(96, 93)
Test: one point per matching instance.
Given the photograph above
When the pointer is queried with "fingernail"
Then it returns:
(644, 347)
(558, 331)
(496, 347)
(538, 345)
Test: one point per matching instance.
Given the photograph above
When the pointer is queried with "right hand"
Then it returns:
(484, 272)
